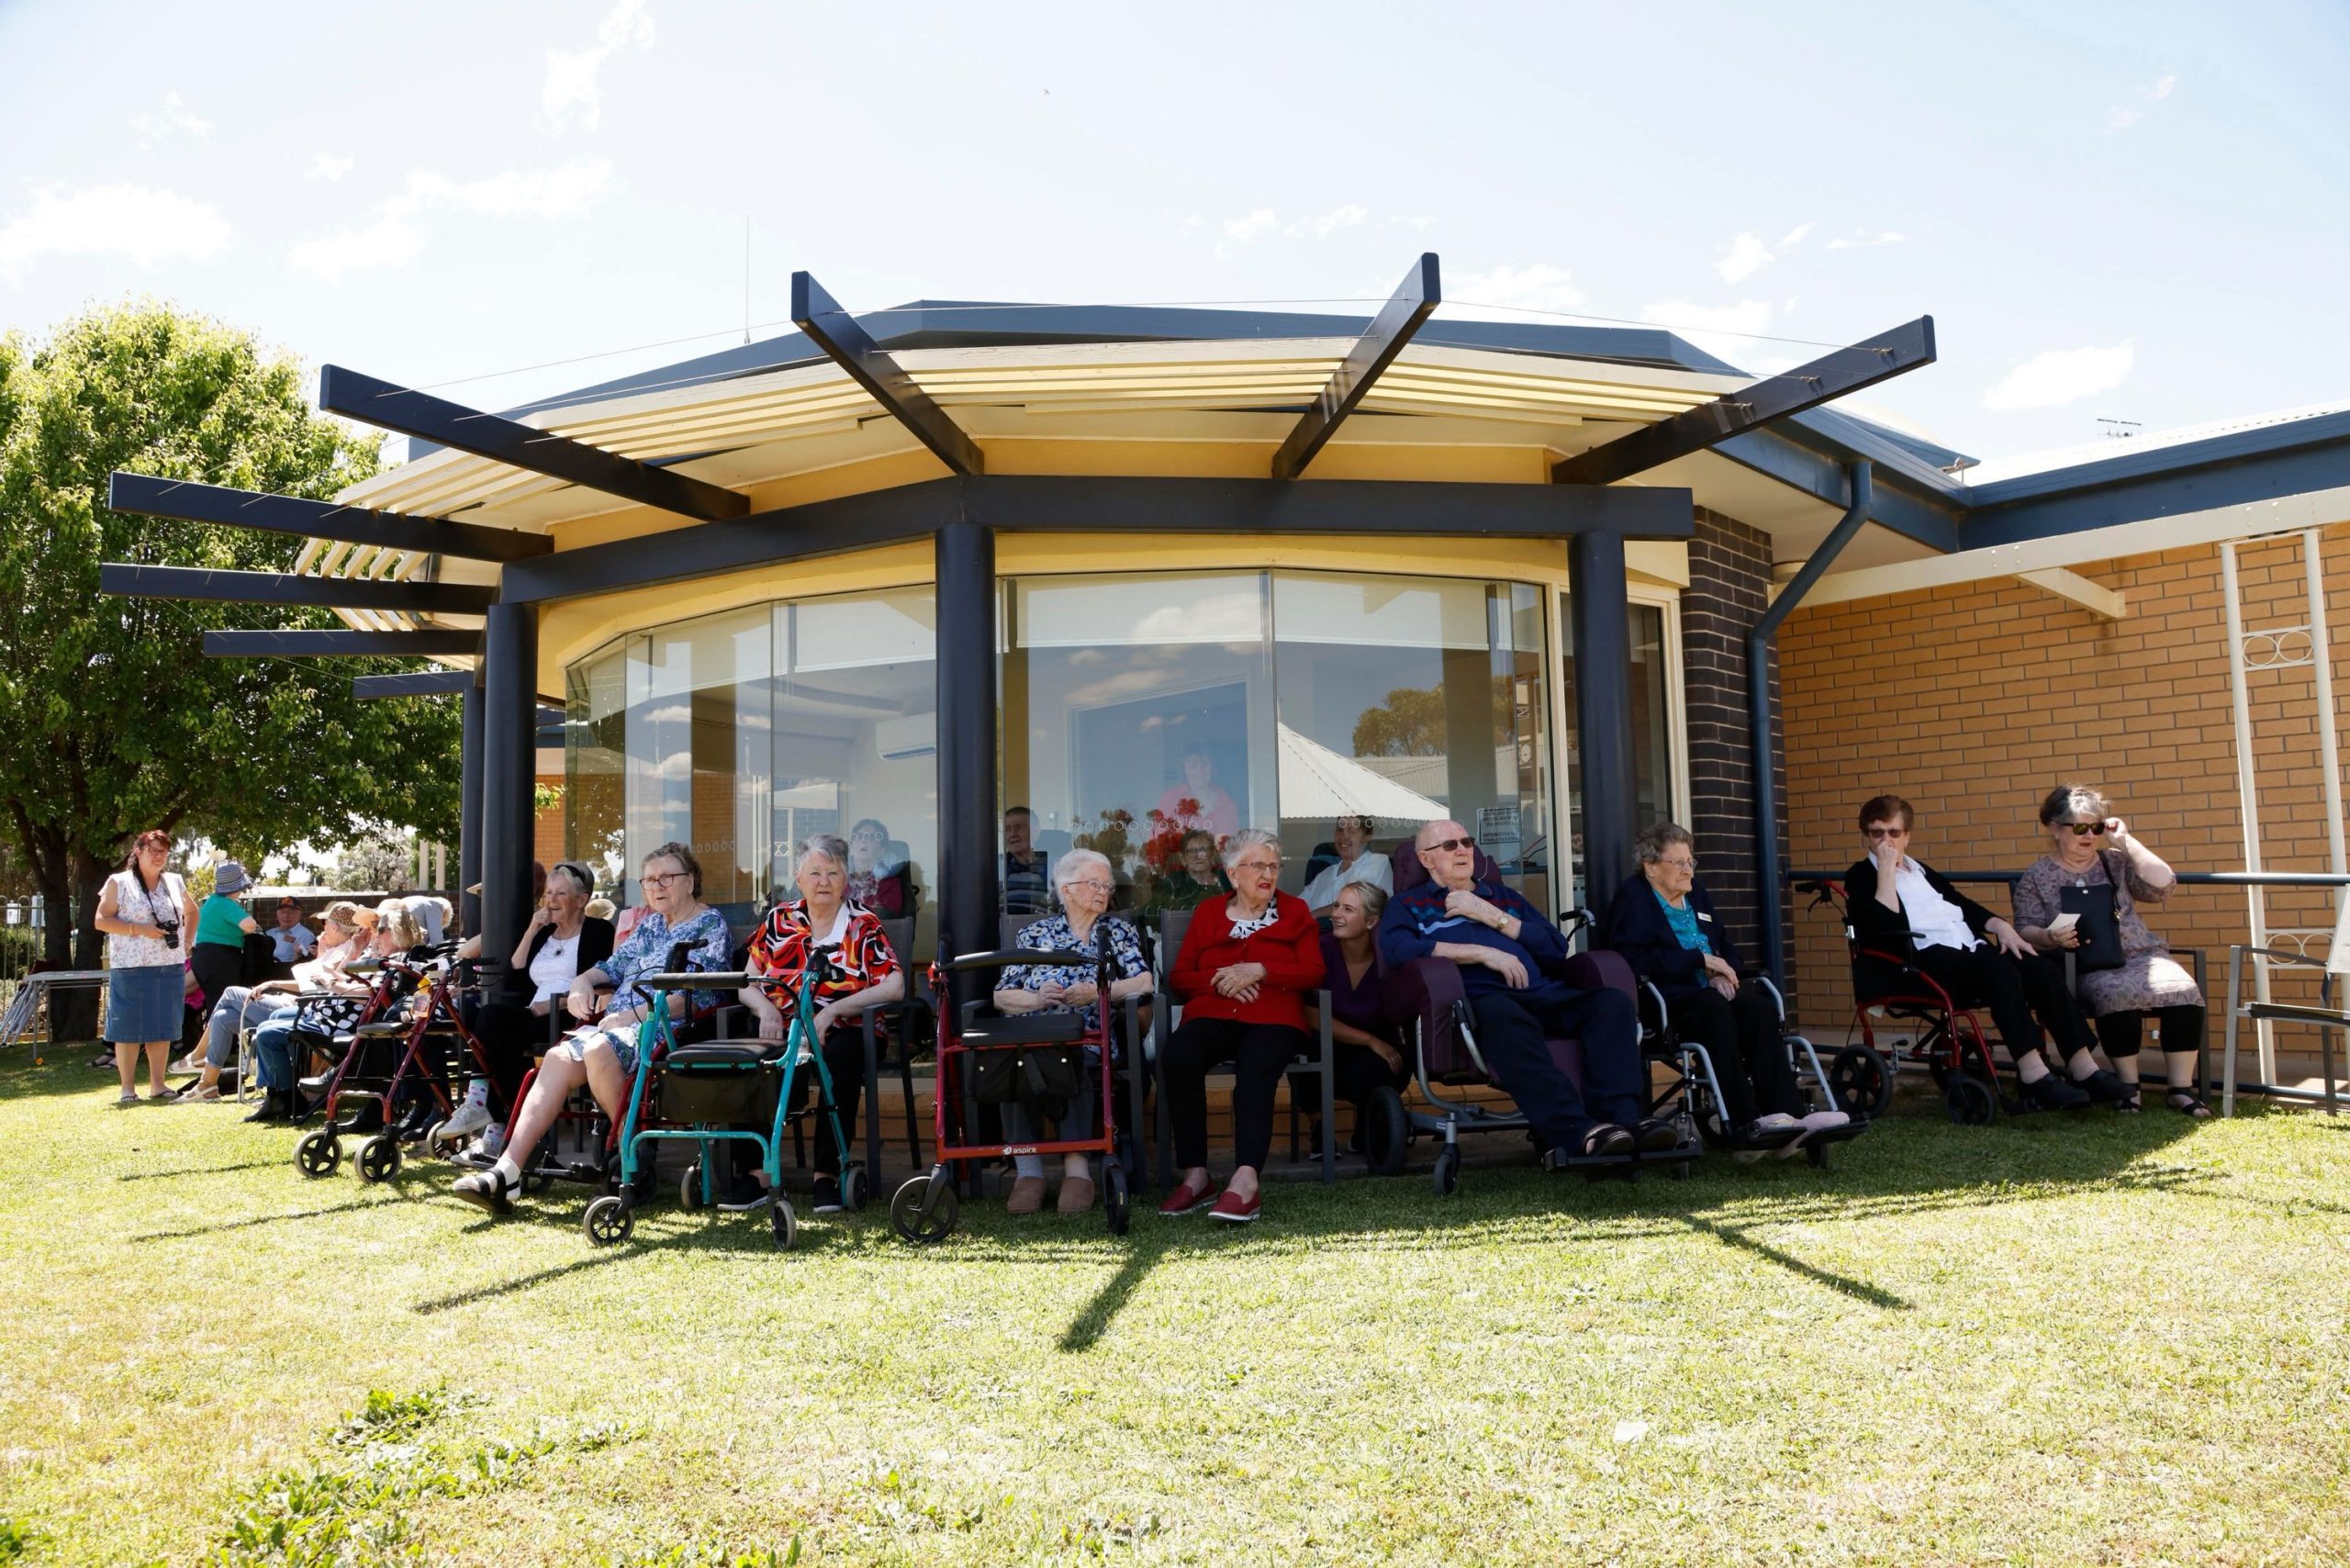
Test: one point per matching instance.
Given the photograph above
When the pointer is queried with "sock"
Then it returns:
(477, 1093)
(2083, 1066)
(508, 1170)
(2029, 1068)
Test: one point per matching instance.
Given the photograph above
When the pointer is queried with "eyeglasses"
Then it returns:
(662, 880)
(1683, 864)
(2084, 830)
(1270, 867)
(1448, 844)
(1095, 883)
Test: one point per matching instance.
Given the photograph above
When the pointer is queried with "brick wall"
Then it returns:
(1973, 702)
(1730, 574)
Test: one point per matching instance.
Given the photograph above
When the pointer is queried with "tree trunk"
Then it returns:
(90, 874)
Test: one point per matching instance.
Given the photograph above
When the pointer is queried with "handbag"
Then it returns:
(2100, 927)
(1043, 1078)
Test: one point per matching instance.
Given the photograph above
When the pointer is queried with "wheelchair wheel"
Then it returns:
(1970, 1102)
(1386, 1132)
(379, 1159)
(609, 1221)
(854, 1188)
(1860, 1081)
(689, 1188)
(535, 1182)
(1447, 1171)
(911, 1225)
(782, 1224)
(1113, 1196)
(318, 1153)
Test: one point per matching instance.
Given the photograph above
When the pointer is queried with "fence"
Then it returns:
(22, 925)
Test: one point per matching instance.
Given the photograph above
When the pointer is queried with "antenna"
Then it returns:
(2121, 429)
(747, 277)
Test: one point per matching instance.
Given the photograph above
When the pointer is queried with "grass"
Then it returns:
(2051, 1341)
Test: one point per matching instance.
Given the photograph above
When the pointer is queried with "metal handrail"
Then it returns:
(2186, 879)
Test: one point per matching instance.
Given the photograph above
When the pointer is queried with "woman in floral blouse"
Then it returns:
(1086, 884)
(602, 1055)
(861, 974)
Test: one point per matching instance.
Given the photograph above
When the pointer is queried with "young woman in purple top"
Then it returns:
(1366, 1047)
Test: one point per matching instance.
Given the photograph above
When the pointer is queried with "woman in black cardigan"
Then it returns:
(1663, 924)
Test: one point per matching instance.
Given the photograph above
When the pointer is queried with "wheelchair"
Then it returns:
(1697, 1083)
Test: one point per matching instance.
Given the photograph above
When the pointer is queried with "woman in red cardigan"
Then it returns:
(1246, 967)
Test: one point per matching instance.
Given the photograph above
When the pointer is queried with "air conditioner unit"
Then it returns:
(916, 735)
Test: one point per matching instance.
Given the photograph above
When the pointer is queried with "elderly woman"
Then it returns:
(1366, 1046)
(561, 940)
(1662, 921)
(1085, 883)
(862, 974)
(1193, 878)
(1246, 968)
(1351, 837)
(248, 1007)
(2090, 849)
(339, 997)
(149, 920)
(875, 880)
(602, 1055)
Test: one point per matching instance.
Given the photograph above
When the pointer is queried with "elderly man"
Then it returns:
(290, 940)
(1026, 870)
(1508, 956)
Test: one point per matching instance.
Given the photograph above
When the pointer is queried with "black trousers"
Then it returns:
(1749, 1056)
(1259, 1054)
(2017, 991)
(510, 1035)
(1356, 1073)
(2182, 1030)
(218, 967)
(843, 1049)
(1513, 1033)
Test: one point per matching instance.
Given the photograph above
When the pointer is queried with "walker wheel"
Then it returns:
(1970, 1102)
(783, 1223)
(855, 1188)
(1386, 1132)
(379, 1158)
(1447, 1171)
(318, 1153)
(609, 1221)
(689, 1188)
(912, 1225)
(1860, 1081)
(1113, 1196)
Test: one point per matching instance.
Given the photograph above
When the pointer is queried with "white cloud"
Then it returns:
(1794, 237)
(395, 232)
(1337, 217)
(1241, 232)
(2161, 89)
(571, 93)
(327, 166)
(2118, 118)
(172, 119)
(2121, 118)
(1506, 293)
(147, 225)
(2057, 377)
(1866, 239)
(1747, 255)
(1725, 332)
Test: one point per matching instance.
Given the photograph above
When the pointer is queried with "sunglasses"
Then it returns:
(2084, 830)
(1451, 844)
(1886, 832)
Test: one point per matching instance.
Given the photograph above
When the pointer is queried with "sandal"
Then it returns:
(2129, 1104)
(2187, 1104)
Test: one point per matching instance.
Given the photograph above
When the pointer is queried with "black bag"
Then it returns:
(2099, 930)
(1043, 1078)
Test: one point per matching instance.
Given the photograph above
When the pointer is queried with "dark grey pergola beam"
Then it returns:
(502, 440)
(871, 366)
(1085, 503)
(275, 645)
(1775, 397)
(423, 683)
(1414, 301)
(225, 587)
(185, 501)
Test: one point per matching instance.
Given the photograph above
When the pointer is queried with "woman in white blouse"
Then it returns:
(1351, 837)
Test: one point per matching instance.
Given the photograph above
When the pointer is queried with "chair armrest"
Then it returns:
(1600, 970)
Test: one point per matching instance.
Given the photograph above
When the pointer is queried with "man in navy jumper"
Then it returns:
(1508, 956)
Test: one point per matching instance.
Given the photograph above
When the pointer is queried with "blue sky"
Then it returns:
(2137, 212)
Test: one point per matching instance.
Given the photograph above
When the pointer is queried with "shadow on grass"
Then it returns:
(201, 1170)
(1859, 1290)
(1091, 1321)
(742, 1239)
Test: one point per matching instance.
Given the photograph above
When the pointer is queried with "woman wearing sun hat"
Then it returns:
(223, 924)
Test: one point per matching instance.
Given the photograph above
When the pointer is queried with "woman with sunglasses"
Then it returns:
(2088, 847)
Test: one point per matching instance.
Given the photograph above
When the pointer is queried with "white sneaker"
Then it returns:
(466, 1120)
(1775, 1121)
(1821, 1121)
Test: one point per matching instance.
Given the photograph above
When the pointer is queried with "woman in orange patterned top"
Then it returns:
(862, 974)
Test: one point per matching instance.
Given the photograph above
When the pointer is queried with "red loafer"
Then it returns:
(1184, 1200)
(1234, 1209)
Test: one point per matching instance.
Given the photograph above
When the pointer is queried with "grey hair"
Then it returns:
(2073, 802)
(827, 844)
(1655, 840)
(1072, 861)
(1246, 839)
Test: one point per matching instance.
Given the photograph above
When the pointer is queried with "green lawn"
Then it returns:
(2053, 1341)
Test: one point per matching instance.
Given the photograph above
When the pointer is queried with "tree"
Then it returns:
(1410, 723)
(114, 722)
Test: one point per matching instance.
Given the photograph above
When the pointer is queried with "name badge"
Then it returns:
(1703, 916)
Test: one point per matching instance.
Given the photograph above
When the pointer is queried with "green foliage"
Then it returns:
(115, 722)
(1411, 723)
(18, 1539)
(546, 797)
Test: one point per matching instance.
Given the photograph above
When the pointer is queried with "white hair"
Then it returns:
(1246, 839)
(1066, 870)
(826, 844)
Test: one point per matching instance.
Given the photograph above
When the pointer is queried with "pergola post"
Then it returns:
(510, 711)
(469, 812)
(967, 804)
(1603, 655)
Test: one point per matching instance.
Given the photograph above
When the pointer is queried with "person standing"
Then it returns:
(221, 926)
(145, 912)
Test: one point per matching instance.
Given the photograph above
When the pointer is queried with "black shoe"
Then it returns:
(2053, 1094)
(2104, 1087)
(275, 1107)
(1602, 1140)
(488, 1190)
(318, 1085)
(1656, 1134)
(828, 1194)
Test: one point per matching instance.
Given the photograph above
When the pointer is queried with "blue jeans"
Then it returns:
(273, 1053)
(238, 1008)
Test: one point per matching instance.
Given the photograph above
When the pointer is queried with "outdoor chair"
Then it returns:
(2330, 1017)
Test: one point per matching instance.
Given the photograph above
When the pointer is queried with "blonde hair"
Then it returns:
(396, 918)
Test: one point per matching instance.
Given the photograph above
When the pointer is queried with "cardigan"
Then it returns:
(1878, 926)
(1638, 928)
(594, 941)
(1290, 948)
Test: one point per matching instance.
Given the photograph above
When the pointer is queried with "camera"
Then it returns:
(171, 930)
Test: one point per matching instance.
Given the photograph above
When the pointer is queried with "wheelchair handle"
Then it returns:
(1059, 958)
(695, 980)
